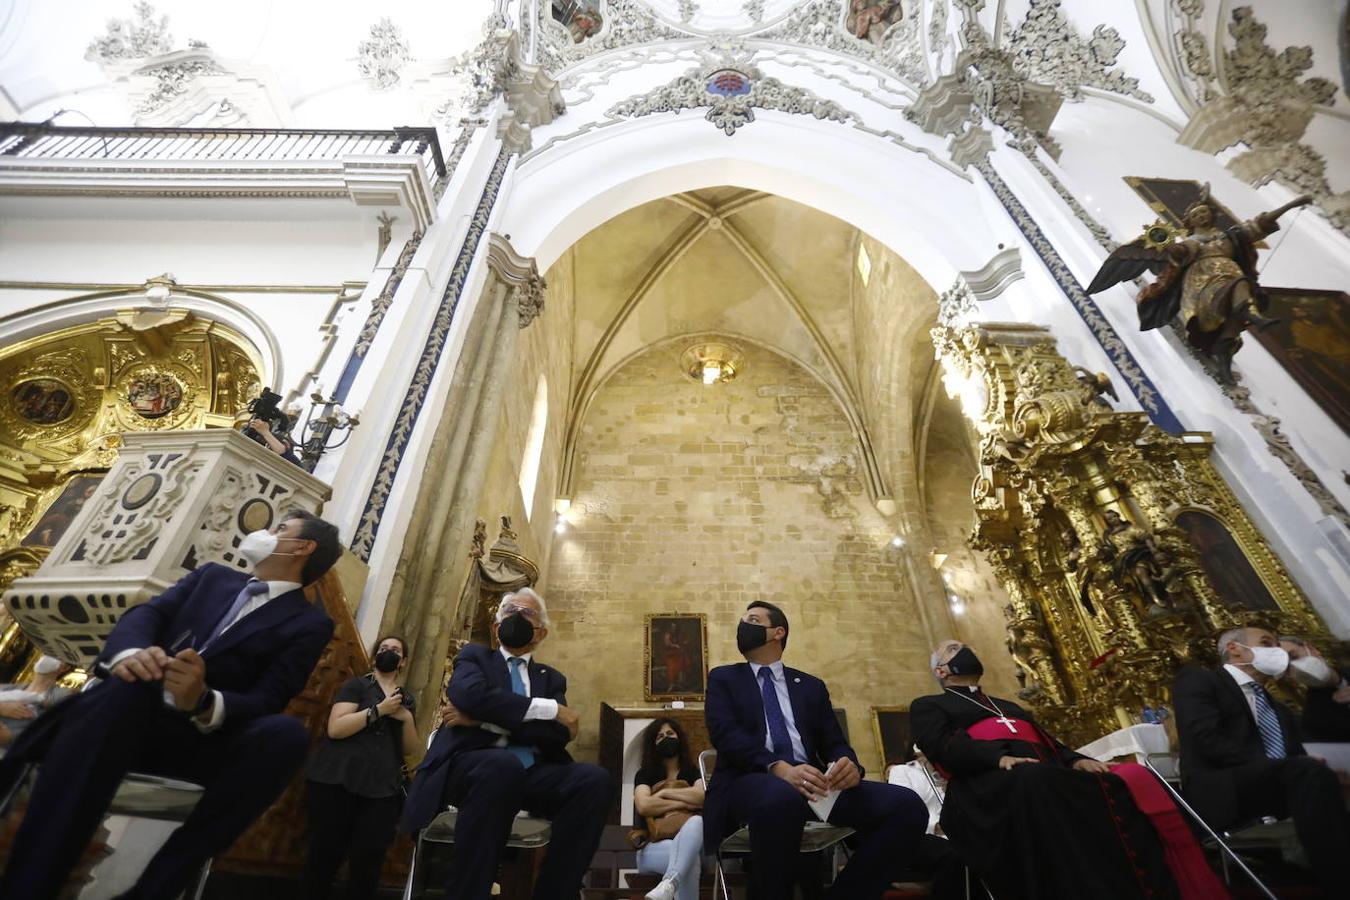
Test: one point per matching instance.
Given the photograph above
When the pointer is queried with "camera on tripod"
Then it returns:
(264, 408)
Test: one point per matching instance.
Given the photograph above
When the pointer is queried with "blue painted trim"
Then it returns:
(1150, 398)
(367, 528)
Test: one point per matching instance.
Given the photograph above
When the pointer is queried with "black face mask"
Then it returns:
(387, 661)
(668, 747)
(515, 631)
(750, 636)
(965, 662)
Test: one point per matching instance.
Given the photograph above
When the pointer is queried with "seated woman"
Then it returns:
(355, 789)
(668, 789)
(20, 704)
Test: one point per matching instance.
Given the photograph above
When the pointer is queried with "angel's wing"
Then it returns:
(1126, 262)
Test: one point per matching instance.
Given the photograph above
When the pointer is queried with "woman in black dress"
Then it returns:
(665, 761)
(355, 788)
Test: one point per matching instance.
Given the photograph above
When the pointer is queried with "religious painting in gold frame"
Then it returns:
(890, 729)
(1169, 197)
(675, 656)
(57, 518)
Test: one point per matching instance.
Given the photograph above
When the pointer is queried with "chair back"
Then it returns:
(707, 761)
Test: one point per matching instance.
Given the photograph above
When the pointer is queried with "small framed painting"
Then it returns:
(890, 727)
(675, 656)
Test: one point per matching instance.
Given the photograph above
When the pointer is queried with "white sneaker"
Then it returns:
(663, 891)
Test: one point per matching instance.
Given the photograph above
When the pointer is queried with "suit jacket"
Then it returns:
(735, 713)
(258, 665)
(1218, 735)
(1325, 720)
(480, 687)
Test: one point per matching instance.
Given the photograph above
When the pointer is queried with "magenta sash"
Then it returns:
(1195, 879)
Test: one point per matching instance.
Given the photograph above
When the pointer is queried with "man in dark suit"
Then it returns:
(1241, 756)
(502, 748)
(195, 681)
(779, 746)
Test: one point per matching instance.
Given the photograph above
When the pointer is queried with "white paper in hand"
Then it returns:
(822, 806)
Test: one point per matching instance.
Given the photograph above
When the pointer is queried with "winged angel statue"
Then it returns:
(1206, 275)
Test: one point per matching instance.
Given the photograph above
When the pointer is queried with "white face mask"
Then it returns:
(1272, 661)
(1312, 671)
(257, 546)
(46, 665)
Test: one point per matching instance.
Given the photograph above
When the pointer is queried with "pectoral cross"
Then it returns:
(1004, 720)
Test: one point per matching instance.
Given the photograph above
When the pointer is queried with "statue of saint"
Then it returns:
(1208, 276)
(1133, 558)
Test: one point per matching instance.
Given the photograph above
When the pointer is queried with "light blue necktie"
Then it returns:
(523, 753)
(1268, 723)
(251, 590)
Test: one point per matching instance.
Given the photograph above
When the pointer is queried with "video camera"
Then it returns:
(264, 408)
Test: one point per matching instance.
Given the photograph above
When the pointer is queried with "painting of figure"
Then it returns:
(43, 401)
(890, 728)
(1311, 339)
(676, 658)
(867, 20)
(581, 17)
(1229, 571)
(78, 491)
(154, 395)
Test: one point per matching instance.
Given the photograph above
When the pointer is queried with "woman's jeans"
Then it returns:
(679, 858)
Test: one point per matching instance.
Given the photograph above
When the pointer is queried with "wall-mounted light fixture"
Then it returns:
(711, 363)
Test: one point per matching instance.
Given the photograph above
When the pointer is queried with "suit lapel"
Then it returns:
(498, 671)
(270, 614)
(794, 689)
(1239, 696)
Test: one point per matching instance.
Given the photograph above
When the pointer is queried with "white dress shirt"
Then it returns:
(785, 704)
(274, 589)
(910, 775)
(1245, 682)
(540, 707)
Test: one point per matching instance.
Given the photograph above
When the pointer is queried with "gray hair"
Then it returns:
(1296, 641)
(532, 595)
(936, 654)
(1232, 634)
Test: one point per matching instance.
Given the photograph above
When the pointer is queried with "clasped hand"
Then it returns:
(813, 784)
(184, 675)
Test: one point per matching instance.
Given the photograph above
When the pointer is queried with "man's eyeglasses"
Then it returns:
(511, 609)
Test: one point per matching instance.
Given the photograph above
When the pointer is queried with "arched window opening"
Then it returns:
(534, 446)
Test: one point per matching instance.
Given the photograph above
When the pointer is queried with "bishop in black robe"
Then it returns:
(1058, 827)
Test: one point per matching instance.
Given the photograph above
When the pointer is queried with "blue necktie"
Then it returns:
(251, 590)
(1268, 723)
(523, 753)
(773, 713)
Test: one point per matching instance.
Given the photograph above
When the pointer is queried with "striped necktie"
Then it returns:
(1268, 723)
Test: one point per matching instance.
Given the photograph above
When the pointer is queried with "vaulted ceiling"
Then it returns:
(754, 267)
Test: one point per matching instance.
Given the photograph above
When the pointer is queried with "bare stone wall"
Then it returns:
(700, 499)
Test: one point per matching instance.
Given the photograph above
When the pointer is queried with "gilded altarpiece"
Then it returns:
(1095, 522)
(66, 399)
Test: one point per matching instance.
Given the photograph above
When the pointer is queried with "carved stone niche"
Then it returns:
(172, 501)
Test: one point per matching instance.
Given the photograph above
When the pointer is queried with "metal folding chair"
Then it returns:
(1226, 850)
(817, 836)
(139, 796)
(527, 833)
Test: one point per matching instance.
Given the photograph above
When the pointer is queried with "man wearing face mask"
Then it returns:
(501, 748)
(1326, 706)
(779, 747)
(1242, 757)
(1031, 817)
(192, 687)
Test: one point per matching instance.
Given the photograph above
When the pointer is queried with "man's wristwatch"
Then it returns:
(205, 703)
